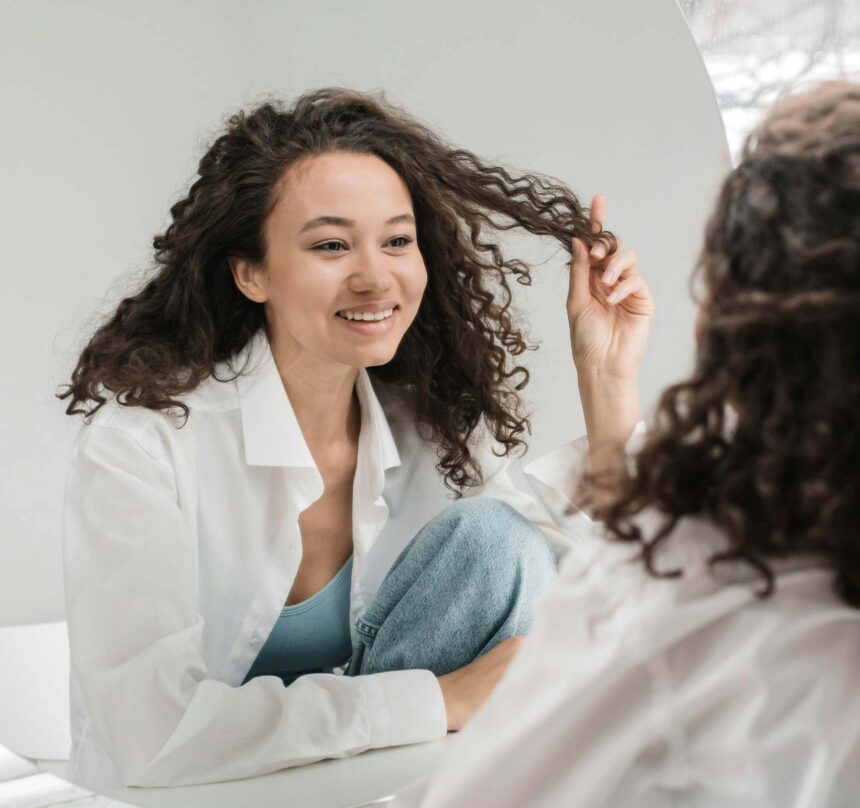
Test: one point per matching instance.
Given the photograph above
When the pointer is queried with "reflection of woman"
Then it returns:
(724, 673)
(244, 487)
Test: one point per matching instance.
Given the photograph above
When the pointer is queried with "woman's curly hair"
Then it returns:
(453, 362)
(764, 439)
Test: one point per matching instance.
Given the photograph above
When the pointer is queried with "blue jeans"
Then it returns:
(466, 582)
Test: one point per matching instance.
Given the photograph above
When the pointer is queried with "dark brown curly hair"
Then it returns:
(764, 439)
(453, 362)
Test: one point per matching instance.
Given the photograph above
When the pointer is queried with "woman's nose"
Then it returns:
(370, 275)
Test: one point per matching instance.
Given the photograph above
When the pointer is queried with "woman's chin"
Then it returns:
(378, 359)
(370, 357)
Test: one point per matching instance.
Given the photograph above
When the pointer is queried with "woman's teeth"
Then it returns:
(366, 315)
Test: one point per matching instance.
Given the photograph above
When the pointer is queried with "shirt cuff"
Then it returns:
(404, 707)
(555, 478)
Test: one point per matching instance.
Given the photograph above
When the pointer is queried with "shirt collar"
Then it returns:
(271, 432)
(380, 432)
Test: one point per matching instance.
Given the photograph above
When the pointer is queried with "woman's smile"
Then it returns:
(369, 320)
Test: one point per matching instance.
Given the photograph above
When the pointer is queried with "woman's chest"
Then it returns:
(326, 538)
(255, 525)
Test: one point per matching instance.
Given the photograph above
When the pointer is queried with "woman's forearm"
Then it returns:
(611, 408)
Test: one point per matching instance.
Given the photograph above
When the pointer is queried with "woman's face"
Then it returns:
(343, 276)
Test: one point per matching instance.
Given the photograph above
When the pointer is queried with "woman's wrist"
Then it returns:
(452, 717)
(610, 405)
(611, 408)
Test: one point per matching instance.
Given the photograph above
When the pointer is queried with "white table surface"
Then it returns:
(340, 783)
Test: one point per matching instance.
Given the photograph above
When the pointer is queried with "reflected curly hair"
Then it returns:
(764, 439)
(454, 361)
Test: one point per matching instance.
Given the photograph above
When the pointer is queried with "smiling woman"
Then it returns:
(273, 424)
(328, 278)
(163, 341)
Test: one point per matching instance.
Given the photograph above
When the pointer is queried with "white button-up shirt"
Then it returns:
(180, 546)
(644, 692)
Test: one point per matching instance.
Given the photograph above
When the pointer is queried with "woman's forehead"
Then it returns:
(359, 187)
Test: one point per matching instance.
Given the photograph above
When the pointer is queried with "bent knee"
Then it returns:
(491, 528)
(480, 509)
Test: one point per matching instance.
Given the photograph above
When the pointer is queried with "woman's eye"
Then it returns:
(331, 246)
(400, 241)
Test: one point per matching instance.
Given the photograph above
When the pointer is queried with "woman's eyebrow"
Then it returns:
(322, 220)
(339, 221)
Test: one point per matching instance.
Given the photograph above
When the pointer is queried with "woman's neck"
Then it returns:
(323, 399)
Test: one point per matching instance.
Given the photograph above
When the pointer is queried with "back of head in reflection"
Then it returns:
(763, 439)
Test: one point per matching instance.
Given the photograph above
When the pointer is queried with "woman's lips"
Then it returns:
(370, 307)
(369, 314)
(370, 327)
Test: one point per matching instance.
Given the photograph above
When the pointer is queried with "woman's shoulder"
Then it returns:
(691, 587)
(150, 426)
(727, 672)
(133, 419)
(125, 437)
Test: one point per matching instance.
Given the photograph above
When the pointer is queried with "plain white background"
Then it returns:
(108, 106)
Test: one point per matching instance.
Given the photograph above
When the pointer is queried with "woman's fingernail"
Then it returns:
(598, 251)
(613, 298)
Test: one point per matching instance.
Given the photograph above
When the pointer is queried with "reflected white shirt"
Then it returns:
(180, 546)
(646, 692)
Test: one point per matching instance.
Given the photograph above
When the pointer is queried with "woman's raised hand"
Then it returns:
(609, 307)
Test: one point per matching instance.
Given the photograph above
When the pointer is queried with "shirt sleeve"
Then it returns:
(499, 485)
(135, 634)
(555, 478)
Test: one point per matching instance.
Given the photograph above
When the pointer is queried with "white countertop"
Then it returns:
(342, 783)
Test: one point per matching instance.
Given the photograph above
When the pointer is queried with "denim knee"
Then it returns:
(489, 528)
(466, 582)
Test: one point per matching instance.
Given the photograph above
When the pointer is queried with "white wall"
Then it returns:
(107, 107)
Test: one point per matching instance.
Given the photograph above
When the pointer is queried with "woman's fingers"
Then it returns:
(621, 265)
(579, 293)
(621, 269)
(597, 216)
(629, 286)
(598, 212)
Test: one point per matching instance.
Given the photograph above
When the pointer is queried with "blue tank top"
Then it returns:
(310, 637)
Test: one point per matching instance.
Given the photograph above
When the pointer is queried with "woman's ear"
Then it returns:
(250, 279)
